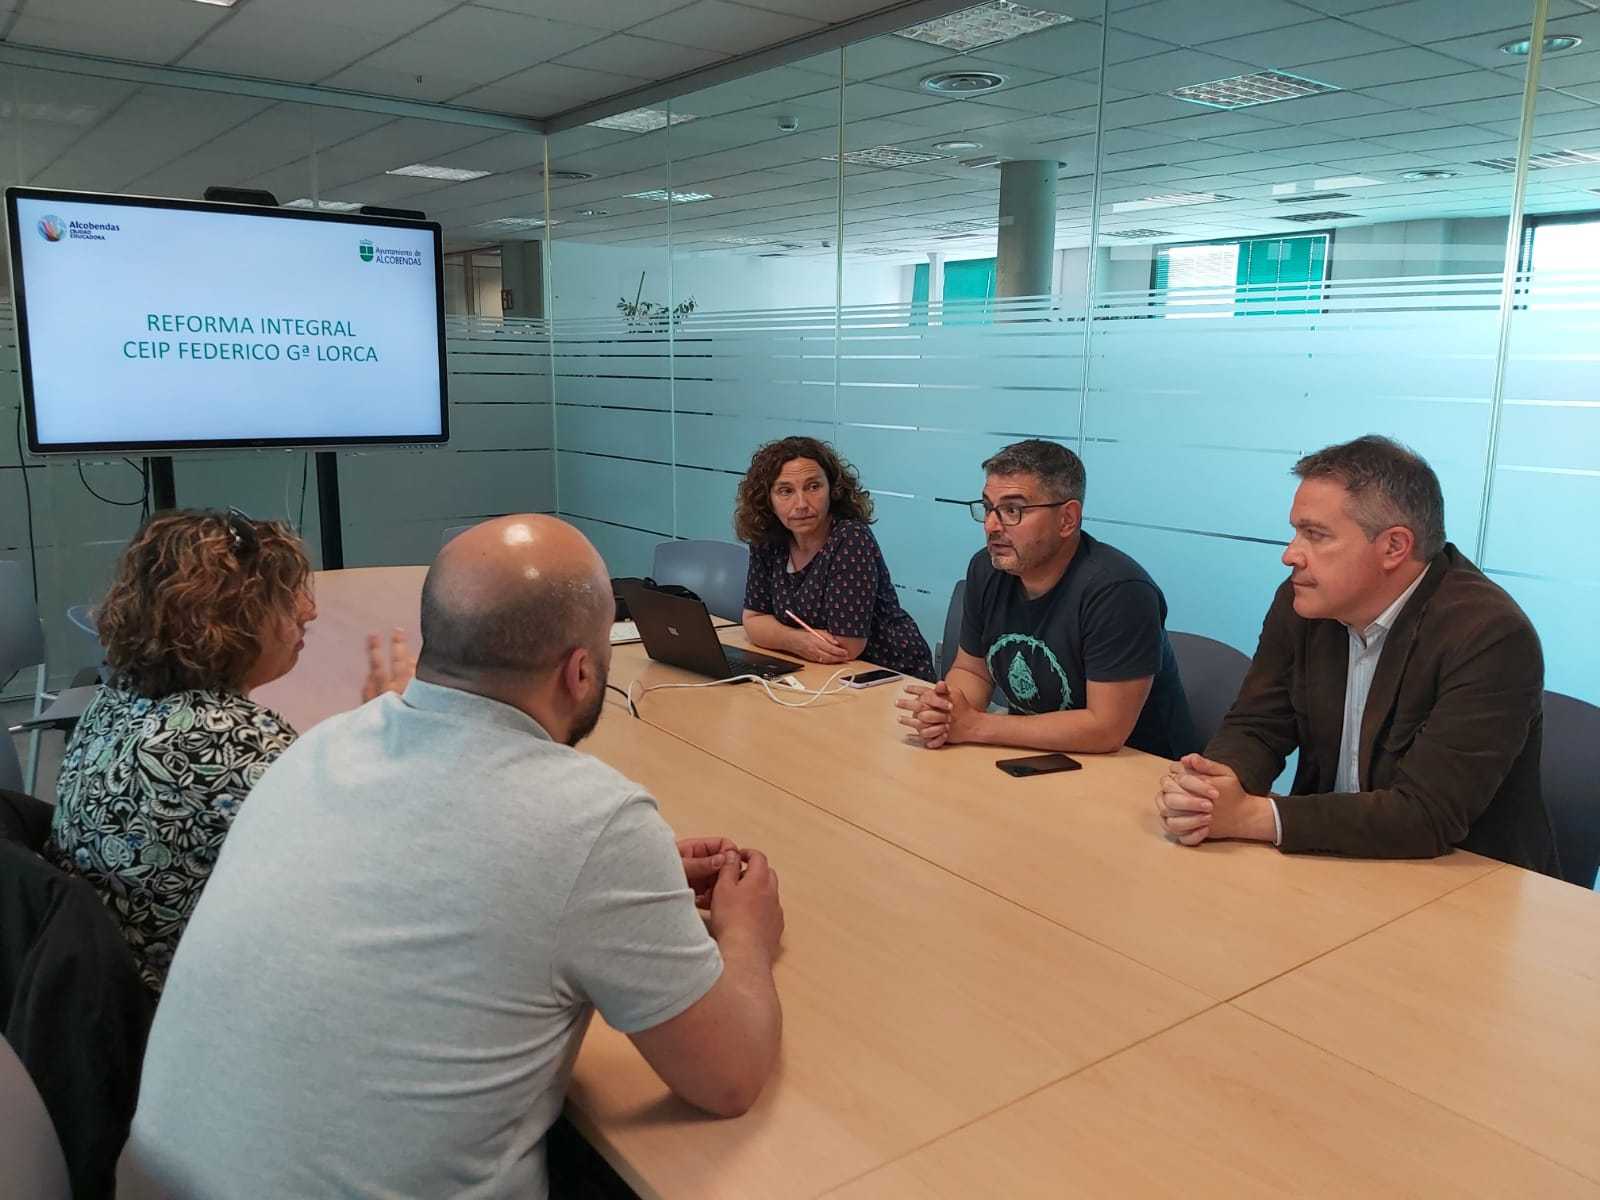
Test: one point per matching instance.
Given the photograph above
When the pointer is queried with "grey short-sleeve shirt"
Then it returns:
(385, 983)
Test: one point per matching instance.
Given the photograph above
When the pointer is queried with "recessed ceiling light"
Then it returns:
(737, 240)
(963, 227)
(1555, 43)
(594, 212)
(1317, 217)
(1540, 162)
(988, 160)
(983, 25)
(219, 3)
(641, 120)
(1169, 200)
(957, 147)
(1424, 176)
(962, 83)
(516, 223)
(1347, 181)
(885, 156)
(425, 171)
(567, 176)
(874, 250)
(663, 195)
(1246, 91)
(325, 205)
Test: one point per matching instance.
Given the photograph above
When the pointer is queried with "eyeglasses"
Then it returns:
(246, 541)
(1009, 511)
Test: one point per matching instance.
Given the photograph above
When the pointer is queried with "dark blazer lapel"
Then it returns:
(1392, 662)
(1327, 666)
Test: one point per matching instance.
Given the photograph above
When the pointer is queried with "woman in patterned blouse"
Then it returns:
(205, 608)
(813, 559)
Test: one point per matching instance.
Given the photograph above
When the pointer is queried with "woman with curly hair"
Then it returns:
(814, 561)
(205, 607)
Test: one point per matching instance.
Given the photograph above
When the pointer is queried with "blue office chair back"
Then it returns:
(83, 640)
(1212, 672)
(452, 533)
(714, 571)
(951, 642)
(21, 633)
(1569, 777)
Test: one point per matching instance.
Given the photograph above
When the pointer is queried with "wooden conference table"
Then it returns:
(1018, 987)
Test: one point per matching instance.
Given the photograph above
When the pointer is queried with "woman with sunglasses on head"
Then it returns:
(818, 585)
(205, 608)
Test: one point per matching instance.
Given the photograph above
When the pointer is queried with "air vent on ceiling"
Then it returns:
(987, 160)
(1246, 91)
(1310, 196)
(1309, 218)
(962, 83)
(568, 176)
(1539, 162)
(874, 250)
(1138, 233)
(962, 226)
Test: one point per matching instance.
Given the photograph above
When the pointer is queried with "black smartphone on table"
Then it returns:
(1038, 764)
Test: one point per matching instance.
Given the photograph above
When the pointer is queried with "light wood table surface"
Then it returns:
(1487, 1002)
(1224, 1107)
(1082, 848)
(998, 986)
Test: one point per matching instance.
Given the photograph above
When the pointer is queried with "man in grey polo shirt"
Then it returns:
(386, 981)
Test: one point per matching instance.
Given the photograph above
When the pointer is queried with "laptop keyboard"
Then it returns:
(742, 662)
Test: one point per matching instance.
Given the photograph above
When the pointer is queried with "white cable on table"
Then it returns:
(812, 695)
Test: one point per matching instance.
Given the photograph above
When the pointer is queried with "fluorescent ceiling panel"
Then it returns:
(983, 25)
(1247, 91)
(641, 120)
(427, 171)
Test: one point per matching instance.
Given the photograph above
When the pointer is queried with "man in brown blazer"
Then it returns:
(1411, 685)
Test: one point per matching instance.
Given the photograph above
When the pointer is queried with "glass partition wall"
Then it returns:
(1191, 240)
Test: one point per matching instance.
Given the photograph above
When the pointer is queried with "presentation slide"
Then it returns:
(165, 326)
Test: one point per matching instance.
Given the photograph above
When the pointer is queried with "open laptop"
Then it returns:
(677, 631)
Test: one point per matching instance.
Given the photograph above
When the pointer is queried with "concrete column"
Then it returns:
(522, 276)
(1024, 263)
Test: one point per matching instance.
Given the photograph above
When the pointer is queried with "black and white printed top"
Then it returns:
(146, 793)
(846, 590)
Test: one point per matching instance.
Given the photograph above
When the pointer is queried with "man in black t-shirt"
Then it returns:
(1069, 631)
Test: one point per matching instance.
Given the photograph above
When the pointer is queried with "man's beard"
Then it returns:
(590, 717)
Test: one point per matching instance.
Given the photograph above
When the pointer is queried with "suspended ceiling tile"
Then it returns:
(1187, 23)
(731, 28)
(1387, 66)
(628, 54)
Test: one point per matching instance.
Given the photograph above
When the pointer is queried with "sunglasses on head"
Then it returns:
(246, 541)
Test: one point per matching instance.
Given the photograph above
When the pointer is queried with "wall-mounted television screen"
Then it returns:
(148, 324)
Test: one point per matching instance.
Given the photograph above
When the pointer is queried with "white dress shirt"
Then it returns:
(1366, 648)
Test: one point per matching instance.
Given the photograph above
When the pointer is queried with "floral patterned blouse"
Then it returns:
(145, 795)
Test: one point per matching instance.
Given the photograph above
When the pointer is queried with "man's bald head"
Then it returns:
(512, 596)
